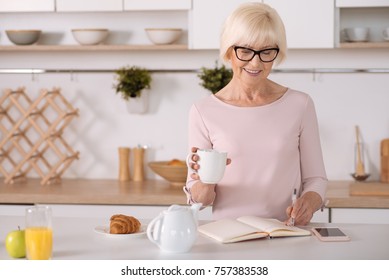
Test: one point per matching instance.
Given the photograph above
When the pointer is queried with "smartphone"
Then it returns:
(330, 234)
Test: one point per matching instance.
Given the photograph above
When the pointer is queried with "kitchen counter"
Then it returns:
(338, 195)
(75, 239)
(151, 192)
(82, 191)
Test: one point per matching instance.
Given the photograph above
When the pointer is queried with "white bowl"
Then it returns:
(89, 36)
(357, 34)
(23, 37)
(163, 36)
(175, 173)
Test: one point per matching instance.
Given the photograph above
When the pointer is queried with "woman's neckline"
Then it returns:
(253, 107)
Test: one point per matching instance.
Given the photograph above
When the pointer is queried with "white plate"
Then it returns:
(104, 230)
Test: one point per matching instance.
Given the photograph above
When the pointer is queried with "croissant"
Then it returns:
(122, 224)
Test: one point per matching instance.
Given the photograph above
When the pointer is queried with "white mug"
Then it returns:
(357, 34)
(212, 165)
(385, 33)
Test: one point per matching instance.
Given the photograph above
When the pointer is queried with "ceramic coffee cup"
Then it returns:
(385, 33)
(212, 165)
(357, 34)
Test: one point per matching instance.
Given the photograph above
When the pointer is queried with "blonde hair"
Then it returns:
(250, 24)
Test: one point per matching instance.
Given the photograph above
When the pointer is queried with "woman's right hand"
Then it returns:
(200, 192)
(193, 164)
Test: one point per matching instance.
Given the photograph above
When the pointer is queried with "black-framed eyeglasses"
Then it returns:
(247, 54)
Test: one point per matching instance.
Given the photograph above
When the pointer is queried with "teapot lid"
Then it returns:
(194, 208)
(175, 207)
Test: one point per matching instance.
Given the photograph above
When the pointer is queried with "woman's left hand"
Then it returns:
(303, 209)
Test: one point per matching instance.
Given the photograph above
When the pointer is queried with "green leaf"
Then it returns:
(131, 81)
(214, 79)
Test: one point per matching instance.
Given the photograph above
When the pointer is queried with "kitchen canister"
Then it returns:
(139, 173)
(385, 161)
(124, 167)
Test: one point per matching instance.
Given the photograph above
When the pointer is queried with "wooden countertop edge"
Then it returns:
(146, 201)
(84, 191)
(358, 202)
(338, 196)
(150, 192)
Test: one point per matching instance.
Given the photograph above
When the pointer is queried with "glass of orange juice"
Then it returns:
(39, 233)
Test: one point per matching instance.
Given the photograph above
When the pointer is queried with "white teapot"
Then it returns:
(175, 229)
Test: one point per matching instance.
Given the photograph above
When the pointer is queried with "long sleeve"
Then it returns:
(198, 137)
(312, 166)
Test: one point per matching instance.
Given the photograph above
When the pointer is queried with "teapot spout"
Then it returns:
(195, 208)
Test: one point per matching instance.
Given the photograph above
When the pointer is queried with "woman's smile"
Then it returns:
(252, 72)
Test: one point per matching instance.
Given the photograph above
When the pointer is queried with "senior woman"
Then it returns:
(269, 131)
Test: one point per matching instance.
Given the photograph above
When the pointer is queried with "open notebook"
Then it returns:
(249, 227)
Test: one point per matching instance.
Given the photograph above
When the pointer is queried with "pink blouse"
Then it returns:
(274, 149)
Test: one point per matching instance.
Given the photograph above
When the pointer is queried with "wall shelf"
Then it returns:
(53, 48)
(278, 70)
(60, 48)
(363, 45)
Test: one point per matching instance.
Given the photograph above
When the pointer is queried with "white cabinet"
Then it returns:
(308, 24)
(144, 5)
(89, 5)
(105, 211)
(371, 14)
(27, 6)
(13, 209)
(361, 3)
(206, 21)
(99, 211)
(360, 215)
(321, 216)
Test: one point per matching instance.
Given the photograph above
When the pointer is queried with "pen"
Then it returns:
(294, 197)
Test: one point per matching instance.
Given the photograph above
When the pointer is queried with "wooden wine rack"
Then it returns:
(31, 135)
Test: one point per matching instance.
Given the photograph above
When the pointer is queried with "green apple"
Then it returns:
(15, 243)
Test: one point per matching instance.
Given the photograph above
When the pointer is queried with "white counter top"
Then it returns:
(75, 239)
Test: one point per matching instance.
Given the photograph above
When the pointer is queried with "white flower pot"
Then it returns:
(138, 105)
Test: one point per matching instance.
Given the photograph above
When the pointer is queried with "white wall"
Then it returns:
(342, 101)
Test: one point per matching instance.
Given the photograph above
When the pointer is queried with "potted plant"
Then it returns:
(131, 83)
(214, 79)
